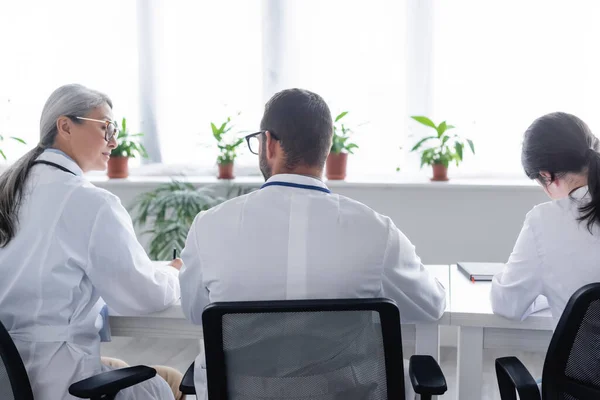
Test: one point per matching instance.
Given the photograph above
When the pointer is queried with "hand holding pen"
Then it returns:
(176, 263)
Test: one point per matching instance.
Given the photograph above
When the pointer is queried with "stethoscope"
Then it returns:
(50, 163)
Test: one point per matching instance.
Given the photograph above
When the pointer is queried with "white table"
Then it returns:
(171, 323)
(479, 328)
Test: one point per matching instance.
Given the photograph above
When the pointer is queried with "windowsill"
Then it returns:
(383, 182)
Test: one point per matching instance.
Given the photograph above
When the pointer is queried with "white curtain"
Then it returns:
(210, 64)
(352, 52)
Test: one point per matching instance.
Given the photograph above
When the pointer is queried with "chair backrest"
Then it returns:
(304, 349)
(572, 365)
(14, 383)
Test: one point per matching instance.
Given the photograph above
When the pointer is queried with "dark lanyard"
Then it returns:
(54, 165)
(296, 185)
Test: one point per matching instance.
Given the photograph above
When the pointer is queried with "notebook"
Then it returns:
(477, 271)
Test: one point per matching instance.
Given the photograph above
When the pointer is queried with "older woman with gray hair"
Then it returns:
(64, 243)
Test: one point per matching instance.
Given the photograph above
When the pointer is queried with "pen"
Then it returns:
(174, 253)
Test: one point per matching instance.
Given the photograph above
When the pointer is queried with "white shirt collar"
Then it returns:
(60, 158)
(297, 179)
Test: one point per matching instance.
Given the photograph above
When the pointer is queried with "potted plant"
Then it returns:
(444, 149)
(128, 147)
(337, 159)
(170, 210)
(227, 149)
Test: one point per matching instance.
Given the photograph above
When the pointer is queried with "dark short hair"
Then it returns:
(561, 143)
(302, 122)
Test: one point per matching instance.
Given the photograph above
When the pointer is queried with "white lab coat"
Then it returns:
(282, 243)
(74, 243)
(554, 256)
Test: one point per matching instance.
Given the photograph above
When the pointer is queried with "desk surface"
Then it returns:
(440, 272)
(471, 306)
(467, 304)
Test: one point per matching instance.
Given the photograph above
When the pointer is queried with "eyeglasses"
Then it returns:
(111, 127)
(254, 142)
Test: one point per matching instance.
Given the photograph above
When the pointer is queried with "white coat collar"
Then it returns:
(579, 193)
(58, 157)
(297, 179)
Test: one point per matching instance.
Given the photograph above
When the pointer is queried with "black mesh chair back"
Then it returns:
(14, 383)
(308, 349)
(572, 365)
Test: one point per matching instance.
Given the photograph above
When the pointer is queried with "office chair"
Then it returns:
(572, 365)
(312, 349)
(14, 382)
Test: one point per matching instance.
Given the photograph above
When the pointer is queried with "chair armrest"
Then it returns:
(514, 377)
(187, 383)
(111, 382)
(426, 376)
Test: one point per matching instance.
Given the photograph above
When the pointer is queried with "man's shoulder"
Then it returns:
(361, 210)
(226, 208)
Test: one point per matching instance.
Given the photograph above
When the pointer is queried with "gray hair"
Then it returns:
(69, 100)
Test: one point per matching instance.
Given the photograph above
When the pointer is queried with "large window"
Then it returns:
(489, 68)
(46, 44)
(499, 65)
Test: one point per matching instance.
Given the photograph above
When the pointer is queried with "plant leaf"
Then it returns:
(143, 152)
(425, 121)
(441, 128)
(459, 150)
(215, 131)
(2, 154)
(471, 145)
(420, 142)
(18, 139)
(342, 115)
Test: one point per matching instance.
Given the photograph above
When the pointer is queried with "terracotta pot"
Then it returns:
(335, 168)
(118, 167)
(226, 171)
(440, 172)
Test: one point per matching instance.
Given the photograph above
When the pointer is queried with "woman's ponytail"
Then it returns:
(12, 183)
(590, 212)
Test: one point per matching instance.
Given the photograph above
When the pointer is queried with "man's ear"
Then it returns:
(63, 126)
(271, 145)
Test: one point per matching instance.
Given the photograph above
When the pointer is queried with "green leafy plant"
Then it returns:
(341, 136)
(10, 137)
(227, 148)
(443, 148)
(170, 209)
(128, 145)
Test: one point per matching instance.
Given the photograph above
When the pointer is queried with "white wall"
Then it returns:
(447, 222)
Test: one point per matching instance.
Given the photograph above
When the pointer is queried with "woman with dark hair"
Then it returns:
(558, 249)
(64, 243)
